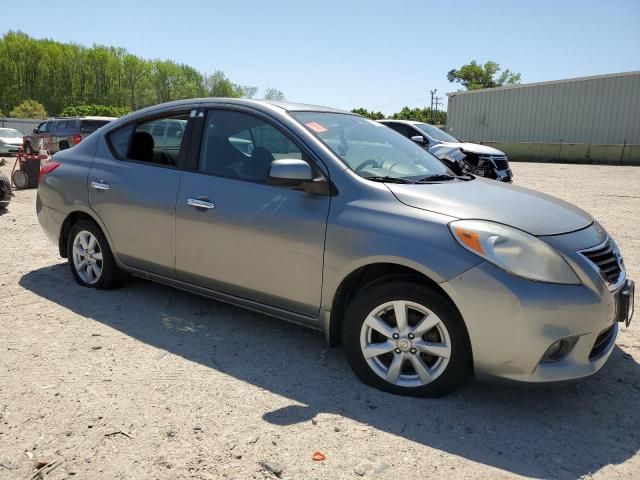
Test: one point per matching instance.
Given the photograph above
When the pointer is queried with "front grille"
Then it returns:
(607, 260)
(601, 342)
(500, 162)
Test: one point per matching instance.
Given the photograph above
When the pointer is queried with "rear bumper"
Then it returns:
(513, 321)
(50, 220)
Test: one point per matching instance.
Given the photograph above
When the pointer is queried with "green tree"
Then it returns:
(273, 94)
(248, 92)
(425, 115)
(28, 109)
(474, 76)
(369, 114)
(218, 85)
(61, 74)
(134, 71)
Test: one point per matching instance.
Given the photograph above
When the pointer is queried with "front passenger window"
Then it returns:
(242, 146)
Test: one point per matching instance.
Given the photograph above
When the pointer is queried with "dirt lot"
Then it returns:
(150, 382)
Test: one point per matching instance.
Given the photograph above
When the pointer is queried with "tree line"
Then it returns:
(417, 114)
(60, 75)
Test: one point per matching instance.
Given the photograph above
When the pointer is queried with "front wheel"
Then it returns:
(407, 339)
(90, 258)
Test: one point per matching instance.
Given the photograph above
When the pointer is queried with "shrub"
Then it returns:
(96, 110)
(29, 109)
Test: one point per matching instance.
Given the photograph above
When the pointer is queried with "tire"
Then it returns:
(5, 191)
(20, 179)
(89, 237)
(63, 145)
(395, 356)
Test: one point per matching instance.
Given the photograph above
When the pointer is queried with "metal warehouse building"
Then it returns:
(587, 120)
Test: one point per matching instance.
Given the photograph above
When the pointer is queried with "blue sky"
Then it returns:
(350, 53)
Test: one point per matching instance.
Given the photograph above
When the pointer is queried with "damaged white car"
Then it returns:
(461, 157)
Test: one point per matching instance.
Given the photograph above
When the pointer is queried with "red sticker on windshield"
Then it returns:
(316, 127)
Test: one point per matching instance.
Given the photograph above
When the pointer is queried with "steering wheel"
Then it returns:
(367, 163)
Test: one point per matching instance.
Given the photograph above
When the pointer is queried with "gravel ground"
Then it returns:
(151, 382)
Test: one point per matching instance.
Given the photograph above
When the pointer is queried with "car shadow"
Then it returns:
(559, 431)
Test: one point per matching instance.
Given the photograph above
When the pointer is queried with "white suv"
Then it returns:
(461, 157)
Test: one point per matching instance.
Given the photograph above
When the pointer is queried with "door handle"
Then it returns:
(100, 186)
(195, 202)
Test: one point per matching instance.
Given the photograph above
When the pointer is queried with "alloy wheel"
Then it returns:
(405, 343)
(87, 257)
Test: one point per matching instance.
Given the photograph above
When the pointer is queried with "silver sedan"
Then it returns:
(328, 219)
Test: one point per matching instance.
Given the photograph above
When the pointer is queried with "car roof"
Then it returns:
(267, 106)
(406, 122)
(263, 104)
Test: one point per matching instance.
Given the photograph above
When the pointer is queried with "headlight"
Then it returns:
(513, 250)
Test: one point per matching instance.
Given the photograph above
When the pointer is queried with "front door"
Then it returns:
(133, 186)
(249, 239)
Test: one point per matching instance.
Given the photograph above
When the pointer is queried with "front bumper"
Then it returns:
(512, 322)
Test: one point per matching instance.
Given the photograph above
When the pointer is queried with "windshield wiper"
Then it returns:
(443, 177)
(374, 178)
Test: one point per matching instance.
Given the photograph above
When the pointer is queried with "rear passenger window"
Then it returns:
(239, 145)
(156, 141)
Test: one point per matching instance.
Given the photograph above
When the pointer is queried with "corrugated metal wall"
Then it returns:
(589, 110)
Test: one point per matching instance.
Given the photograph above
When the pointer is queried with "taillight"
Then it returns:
(48, 168)
(76, 138)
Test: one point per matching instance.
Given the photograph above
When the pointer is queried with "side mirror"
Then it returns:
(419, 139)
(297, 174)
(290, 171)
(35, 130)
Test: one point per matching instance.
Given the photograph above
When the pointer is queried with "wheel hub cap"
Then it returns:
(404, 345)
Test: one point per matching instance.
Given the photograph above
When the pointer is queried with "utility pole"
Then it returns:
(433, 97)
(437, 102)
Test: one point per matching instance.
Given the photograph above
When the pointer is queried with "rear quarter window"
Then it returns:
(119, 141)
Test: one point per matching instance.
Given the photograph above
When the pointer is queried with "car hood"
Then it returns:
(11, 140)
(467, 147)
(533, 212)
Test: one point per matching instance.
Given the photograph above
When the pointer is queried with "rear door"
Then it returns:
(133, 186)
(252, 240)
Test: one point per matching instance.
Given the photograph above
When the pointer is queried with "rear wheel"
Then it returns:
(90, 258)
(407, 339)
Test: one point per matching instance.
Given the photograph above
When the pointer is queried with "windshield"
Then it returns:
(435, 133)
(369, 148)
(10, 133)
